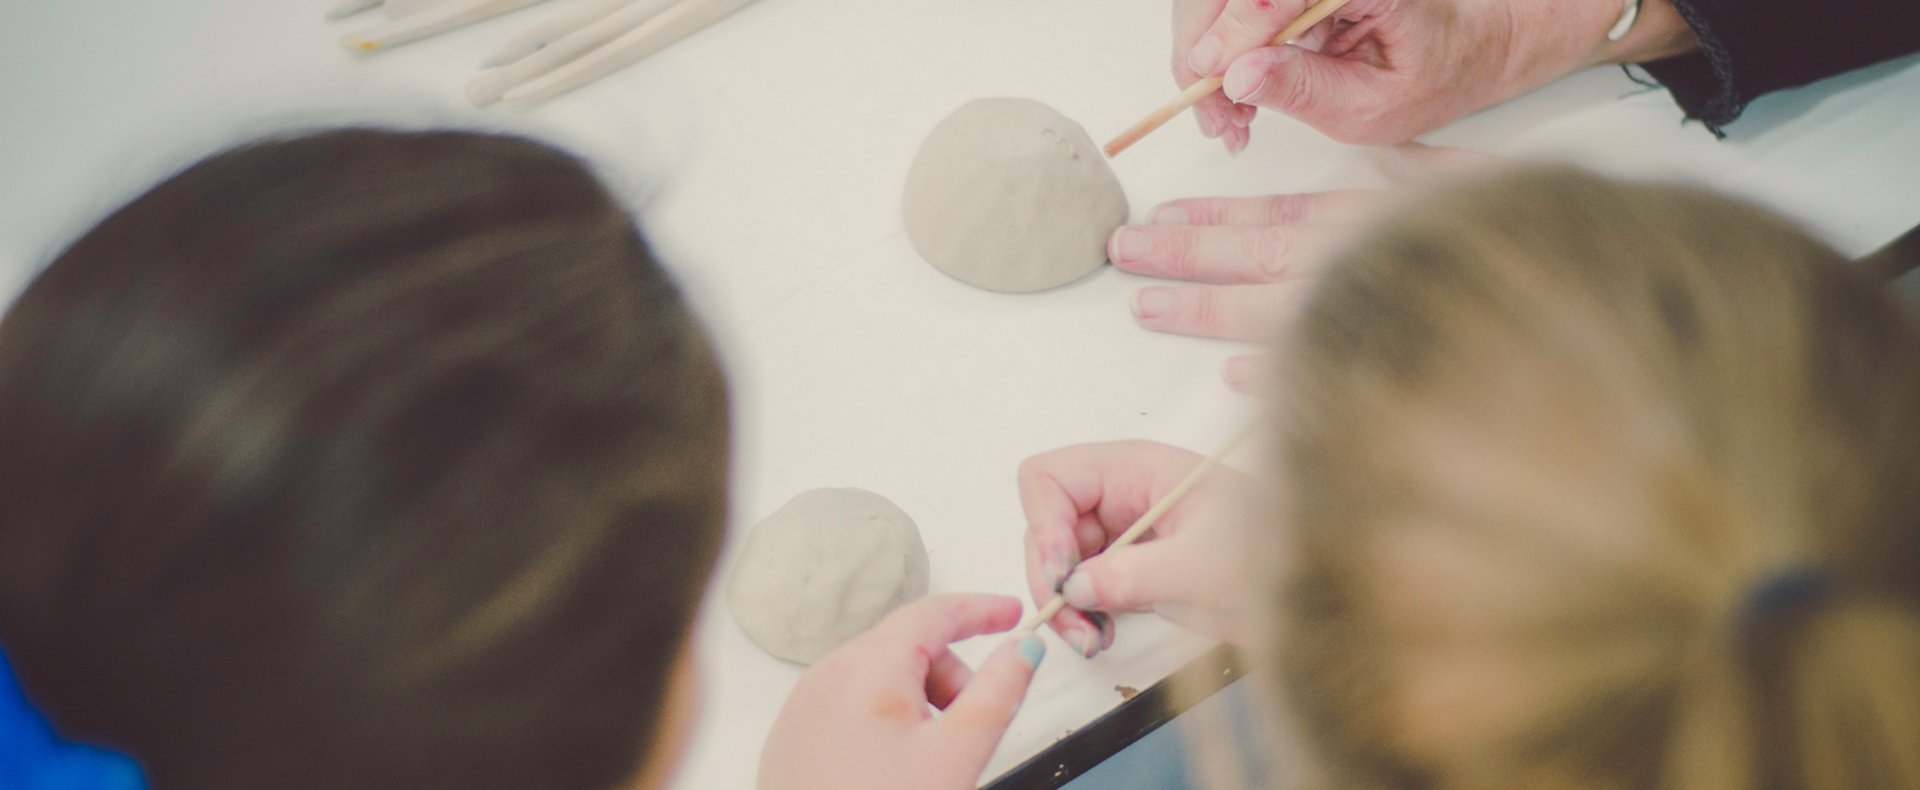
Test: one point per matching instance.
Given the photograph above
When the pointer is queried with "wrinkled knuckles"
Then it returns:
(1274, 248)
(1199, 311)
(1210, 211)
(1294, 94)
(1286, 209)
(1177, 256)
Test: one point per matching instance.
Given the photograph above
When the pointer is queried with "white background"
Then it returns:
(765, 158)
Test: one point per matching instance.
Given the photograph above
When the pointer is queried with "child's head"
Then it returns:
(361, 459)
(1596, 484)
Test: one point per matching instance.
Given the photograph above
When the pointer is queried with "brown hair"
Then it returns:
(359, 459)
(1544, 435)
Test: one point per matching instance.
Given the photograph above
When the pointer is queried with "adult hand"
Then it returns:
(1383, 71)
(1253, 257)
(863, 717)
(1078, 499)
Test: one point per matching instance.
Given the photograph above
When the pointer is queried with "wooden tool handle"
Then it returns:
(1199, 90)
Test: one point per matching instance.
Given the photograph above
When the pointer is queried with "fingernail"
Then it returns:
(1130, 244)
(1104, 623)
(1079, 592)
(1151, 303)
(1241, 86)
(1169, 215)
(1239, 372)
(1080, 640)
(1205, 56)
(1032, 650)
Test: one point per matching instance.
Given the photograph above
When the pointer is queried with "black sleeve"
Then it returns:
(1752, 47)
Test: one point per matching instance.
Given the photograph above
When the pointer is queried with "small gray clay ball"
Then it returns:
(824, 567)
(1009, 195)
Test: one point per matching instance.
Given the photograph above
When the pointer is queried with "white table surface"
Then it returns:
(765, 157)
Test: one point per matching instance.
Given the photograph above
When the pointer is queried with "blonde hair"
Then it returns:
(1544, 435)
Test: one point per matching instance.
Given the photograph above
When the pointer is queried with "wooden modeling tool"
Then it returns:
(1200, 90)
(426, 20)
(592, 39)
(1146, 520)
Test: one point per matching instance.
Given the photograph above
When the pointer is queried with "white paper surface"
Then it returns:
(765, 158)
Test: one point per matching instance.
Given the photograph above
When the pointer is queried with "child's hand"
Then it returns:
(1078, 499)
(861, 718)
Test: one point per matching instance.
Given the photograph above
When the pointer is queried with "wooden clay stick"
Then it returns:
(439, 18)
(342, 9)
(402, 8)
(1144, 523)
(651, 36)
(489, 85)
(552, 29)
(1199, 90)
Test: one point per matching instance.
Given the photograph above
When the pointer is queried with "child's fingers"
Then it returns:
(1113, 481)
(1043, 581)
(946, 676)
(933, 622)
(978, 717)
(1135, 578)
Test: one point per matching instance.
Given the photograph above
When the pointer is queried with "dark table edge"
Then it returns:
(1121, 727)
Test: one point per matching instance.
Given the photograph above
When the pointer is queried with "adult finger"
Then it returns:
(1191, 18)
(1246, 373)
(1345, 98)
(1231, 312)
(1243, 25)
(1224, 254)
(1270, 210)
(946, 676)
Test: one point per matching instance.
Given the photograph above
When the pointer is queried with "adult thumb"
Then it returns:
(1317, 89)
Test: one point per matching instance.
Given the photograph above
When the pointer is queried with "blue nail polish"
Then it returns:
(1032, 650)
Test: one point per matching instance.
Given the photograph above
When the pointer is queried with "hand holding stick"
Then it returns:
(1200, 90)
(1144, 523)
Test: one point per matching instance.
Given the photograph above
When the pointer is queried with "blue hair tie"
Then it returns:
(1784, 594)
(34, 757)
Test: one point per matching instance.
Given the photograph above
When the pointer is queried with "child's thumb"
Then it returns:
(1129, 579)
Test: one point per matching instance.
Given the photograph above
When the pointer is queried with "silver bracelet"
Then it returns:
(1628, 16)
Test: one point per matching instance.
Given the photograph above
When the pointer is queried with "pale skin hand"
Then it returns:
(863, 717)
(1384, 71)
(1078, 499)
(1252, 258)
